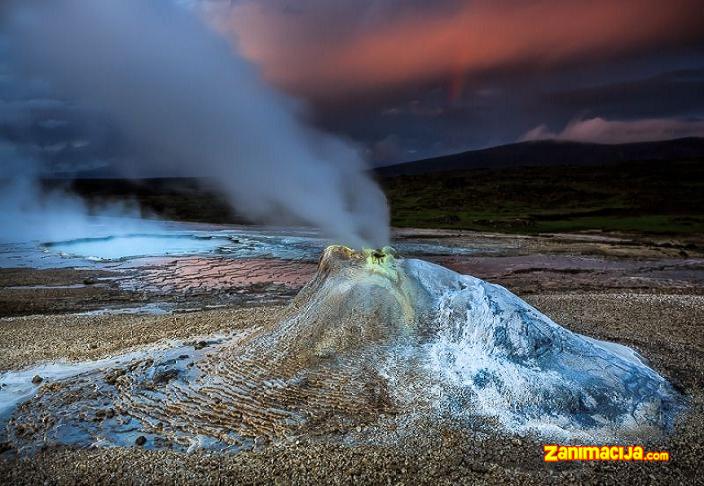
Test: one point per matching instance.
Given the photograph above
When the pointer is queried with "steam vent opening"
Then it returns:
(373, 339)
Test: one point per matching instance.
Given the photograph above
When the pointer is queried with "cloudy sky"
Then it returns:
(407, 79)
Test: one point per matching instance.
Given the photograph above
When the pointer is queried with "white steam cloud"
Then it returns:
(189, 105)
(29, 212)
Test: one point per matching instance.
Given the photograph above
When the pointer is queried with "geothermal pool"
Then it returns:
(103, 245)
(138, 245)
(156, 267)
(104, 248)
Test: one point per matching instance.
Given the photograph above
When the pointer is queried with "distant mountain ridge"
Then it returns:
(551, 153)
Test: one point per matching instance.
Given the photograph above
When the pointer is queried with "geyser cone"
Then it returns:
(371, 333)
(480, 348)
(356, 300)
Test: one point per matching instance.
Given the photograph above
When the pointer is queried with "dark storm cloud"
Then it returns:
(413, 78)
(503, 107)
(666, 94)
(62, 139)
(328, 48)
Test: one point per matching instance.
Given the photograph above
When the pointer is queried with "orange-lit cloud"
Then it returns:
(308, 53)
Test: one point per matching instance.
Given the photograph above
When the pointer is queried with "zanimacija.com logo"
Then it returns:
(558, 453)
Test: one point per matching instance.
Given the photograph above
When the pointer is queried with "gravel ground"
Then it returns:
(659, 310)
(27, 291)
(27, 340)
(668, 329)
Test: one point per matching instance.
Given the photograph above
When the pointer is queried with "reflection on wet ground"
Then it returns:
(204, 274)
(181, 239)
(173, 267)
(177, 267)
(129, 246)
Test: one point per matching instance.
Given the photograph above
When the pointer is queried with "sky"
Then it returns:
(409, 79)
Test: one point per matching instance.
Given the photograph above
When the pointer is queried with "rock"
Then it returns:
(112, 376)
(478, 467)
(37, 379)
(141, 440)
(260, 441)
(200, 345)
(164, 376)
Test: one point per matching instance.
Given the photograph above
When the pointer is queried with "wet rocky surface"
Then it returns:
(192, 282)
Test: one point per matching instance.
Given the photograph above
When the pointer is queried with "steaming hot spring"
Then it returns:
(374, 340)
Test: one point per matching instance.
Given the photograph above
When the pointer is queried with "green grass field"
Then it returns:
(651, 197)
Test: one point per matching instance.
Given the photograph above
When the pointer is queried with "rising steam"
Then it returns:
(189, 106)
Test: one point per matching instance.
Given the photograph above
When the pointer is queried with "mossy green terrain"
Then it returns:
(651, 197)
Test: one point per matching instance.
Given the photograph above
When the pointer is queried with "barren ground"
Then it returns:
(643, 293)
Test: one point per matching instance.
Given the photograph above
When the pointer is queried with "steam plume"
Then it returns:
(29, 212)
(188, 104)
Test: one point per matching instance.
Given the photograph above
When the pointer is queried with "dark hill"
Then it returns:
(552, 153)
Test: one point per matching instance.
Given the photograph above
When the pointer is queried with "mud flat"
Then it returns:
(653, 302)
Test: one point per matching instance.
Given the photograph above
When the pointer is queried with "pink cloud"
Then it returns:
(600, 130)
(324, 48)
